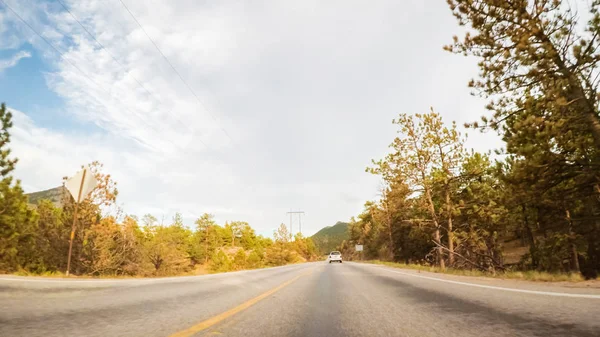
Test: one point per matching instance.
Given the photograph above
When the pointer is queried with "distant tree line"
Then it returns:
(444, 205)
(36, 239)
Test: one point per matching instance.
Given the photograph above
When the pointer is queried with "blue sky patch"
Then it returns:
(24, 88)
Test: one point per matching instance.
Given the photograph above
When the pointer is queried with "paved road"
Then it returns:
(314, 299)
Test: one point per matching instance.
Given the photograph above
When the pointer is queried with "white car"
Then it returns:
(335, 257)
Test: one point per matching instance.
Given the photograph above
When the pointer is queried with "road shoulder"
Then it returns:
(584, 287)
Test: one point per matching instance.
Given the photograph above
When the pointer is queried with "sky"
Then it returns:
(253, 109)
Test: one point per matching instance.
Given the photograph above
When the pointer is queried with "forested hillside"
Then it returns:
(56, 195)
(446, 205)
(330, 237)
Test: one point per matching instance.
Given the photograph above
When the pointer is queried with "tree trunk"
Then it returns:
(391, 244)
(206, 246)
(574, 256)
(450, 233)
(594, 124)
(583, 105)
(389, 224)
(531, 238)
(591, 265)
(439, 256)
(577, 93)
(436, 234)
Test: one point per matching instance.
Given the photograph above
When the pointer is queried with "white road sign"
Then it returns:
(78, 181)
(358, 248)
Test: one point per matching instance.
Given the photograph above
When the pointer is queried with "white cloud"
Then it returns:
(13, 60)
(306, 89)
(45, 156)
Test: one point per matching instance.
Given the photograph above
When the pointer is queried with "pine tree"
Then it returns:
(539, 70)
(533, 53)
(425, 157)
(17, 221)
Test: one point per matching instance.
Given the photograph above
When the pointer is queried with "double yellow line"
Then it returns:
(224, 315)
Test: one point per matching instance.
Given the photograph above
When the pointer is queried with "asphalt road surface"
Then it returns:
(313, 299)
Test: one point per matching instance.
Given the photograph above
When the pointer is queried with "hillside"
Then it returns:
(56, 195)
(328, 238)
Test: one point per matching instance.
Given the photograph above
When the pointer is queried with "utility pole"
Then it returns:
(75, 221)
(79, 186)
(291, 213)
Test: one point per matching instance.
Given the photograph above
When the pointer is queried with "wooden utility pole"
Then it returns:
(74, 222)
(78, 189)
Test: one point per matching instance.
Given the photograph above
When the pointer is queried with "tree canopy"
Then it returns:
(445, 205)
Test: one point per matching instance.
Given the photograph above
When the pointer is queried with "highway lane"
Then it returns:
(313, 299)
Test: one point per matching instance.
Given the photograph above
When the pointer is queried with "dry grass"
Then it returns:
(541, 276)
(514, 275)
(197, 270)
(57, 274)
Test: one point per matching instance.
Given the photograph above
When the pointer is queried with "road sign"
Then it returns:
(358, 248)
(81, 184)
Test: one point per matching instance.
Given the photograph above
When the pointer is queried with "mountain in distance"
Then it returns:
(330, 237)
(55, 195)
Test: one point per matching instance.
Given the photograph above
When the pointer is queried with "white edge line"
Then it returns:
(547, 293)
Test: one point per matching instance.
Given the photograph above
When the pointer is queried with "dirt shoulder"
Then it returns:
(511, 279)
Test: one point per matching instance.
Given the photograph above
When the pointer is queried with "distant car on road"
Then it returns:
(335, 256)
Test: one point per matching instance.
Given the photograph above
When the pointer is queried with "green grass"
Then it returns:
(513, 275)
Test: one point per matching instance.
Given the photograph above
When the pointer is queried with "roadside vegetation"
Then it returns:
(528, 275)
(34, 238)
(446, 207)
(441, 206)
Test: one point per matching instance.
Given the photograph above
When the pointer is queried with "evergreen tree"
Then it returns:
(17, 221)
(539, 70)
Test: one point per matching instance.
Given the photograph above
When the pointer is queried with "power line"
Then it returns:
(75, 66)
(102, 47)
(175, 70)
(119, 63)
(300, 213)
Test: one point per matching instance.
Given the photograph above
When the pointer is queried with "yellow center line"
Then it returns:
(224, 315)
